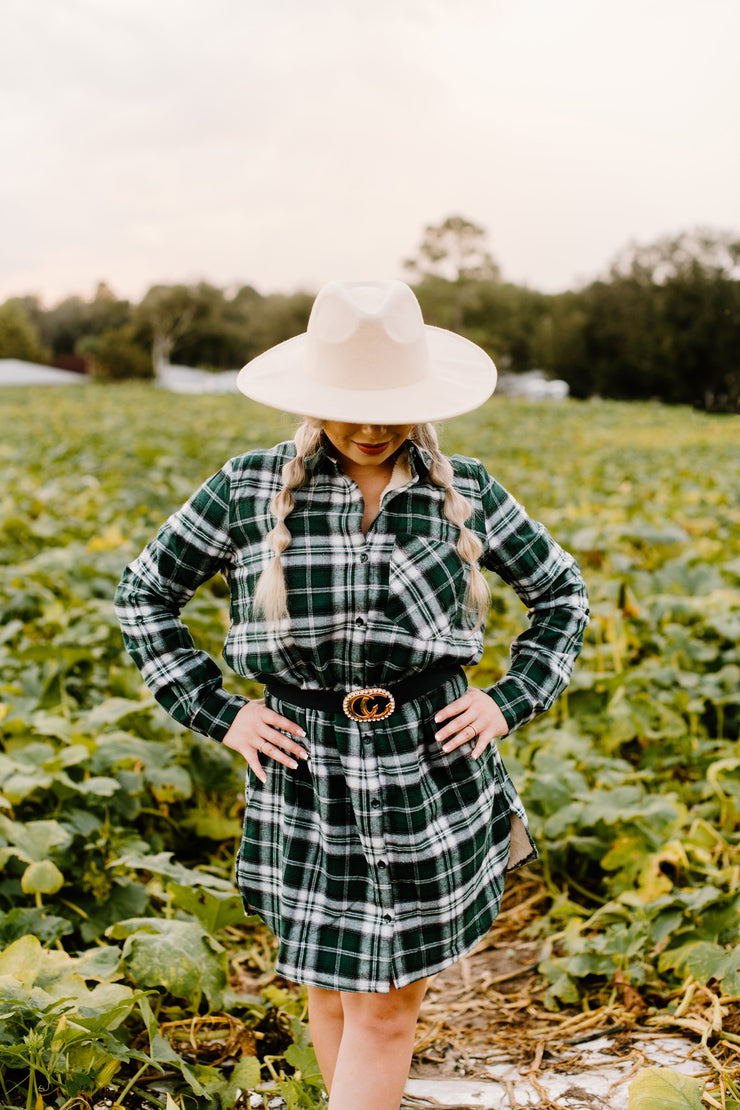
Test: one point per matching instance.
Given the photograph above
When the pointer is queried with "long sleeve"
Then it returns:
(192, 546)
(547, 580)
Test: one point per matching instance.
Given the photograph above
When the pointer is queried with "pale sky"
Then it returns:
(285, 143)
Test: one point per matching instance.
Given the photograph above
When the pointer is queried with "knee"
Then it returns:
(385, 1019)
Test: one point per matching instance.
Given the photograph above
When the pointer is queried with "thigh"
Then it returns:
(399, 1007)
(325, 1002)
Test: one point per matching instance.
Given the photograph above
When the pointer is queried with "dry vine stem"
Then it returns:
(216, 1037)
(483, 1011)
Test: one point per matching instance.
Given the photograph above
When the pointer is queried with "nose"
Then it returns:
(374, 429)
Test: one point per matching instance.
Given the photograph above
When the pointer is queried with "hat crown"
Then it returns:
(366, 335)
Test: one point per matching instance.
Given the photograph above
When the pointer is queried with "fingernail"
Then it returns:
(292, 765)
(301, 732)
(447, 748)
(436, 720)
(303, 755)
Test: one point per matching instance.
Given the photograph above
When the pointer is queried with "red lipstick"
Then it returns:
(372, 448)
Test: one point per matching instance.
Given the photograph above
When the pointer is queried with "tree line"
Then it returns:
(663, 323)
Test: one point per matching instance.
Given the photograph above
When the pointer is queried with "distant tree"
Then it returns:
(278, 317)
(504, 319)
(19, 337)
(559, 342)
(76, 318)
(177, 316)
(455, 250)
(665, 324)
(117, 355)
(702, 253)
(452, 262)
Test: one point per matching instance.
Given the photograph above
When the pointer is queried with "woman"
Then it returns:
(377, 845)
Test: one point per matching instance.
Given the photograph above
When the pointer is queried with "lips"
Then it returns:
(372, 448)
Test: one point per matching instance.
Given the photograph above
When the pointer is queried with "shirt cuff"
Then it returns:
(215, 715)
(515, 701)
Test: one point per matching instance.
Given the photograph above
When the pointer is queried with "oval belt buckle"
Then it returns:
(368, 703)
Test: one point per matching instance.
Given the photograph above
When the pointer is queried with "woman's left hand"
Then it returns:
(475, 716)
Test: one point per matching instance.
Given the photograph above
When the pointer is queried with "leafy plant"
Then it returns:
(119, 917)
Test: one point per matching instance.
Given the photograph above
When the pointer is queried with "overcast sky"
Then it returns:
(283, 143)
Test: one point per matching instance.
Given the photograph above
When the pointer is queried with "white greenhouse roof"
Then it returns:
(14, 371)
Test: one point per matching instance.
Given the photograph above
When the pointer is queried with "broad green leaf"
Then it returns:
(169, 784)
(163, 864)
(664, 1089)
(176, 955)
(112, 711)
(706, 961)
(561, 987)
(20, 784)
(102, 786)
(214, 909)
(99, 963)
(731, 976)
(304, 1060)
(22, 960)
(34, 839)
(42, 878)
(245, 1077)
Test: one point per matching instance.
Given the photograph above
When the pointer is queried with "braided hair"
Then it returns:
(271, 597)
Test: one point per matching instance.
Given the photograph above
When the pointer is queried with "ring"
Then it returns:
(475, 731)
(261, 746)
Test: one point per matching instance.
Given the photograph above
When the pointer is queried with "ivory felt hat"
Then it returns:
(368, 357)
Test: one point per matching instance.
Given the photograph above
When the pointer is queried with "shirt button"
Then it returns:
(388, 918)
(367, 737)
(360, 622)
(363, 558)
(382, 864)
(375, 803)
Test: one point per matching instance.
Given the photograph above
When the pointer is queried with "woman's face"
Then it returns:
(366, 444)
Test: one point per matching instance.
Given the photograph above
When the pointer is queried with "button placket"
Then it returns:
(376, 851)
(358, 597)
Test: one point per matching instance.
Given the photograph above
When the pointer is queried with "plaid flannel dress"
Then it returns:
(381, 859)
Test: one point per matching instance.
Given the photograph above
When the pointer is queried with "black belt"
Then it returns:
(366, 703)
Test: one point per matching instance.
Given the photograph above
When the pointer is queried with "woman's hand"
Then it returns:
(254, 732)
(475, 716)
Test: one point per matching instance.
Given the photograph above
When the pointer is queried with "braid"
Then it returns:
(457, 511)
(271, 595)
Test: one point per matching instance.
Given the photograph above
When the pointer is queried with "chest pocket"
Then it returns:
(427, 582)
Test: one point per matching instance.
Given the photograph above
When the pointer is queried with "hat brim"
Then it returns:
(461, 377)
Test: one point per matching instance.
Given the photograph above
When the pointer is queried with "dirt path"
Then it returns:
(485, 1035)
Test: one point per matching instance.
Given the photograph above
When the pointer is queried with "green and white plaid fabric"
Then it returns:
(382, 859)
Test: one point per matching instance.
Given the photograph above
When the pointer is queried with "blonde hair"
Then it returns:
(271, 597)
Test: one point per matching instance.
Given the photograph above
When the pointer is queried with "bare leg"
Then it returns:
(375, 1052)
(326, 1018)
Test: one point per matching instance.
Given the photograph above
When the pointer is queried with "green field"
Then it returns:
(118, 915)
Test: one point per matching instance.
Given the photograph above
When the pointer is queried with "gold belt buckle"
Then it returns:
(368, 703)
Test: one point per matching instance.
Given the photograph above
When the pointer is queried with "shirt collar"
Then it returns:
(421, 459)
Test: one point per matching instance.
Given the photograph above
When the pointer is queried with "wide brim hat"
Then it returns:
(367, 357)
